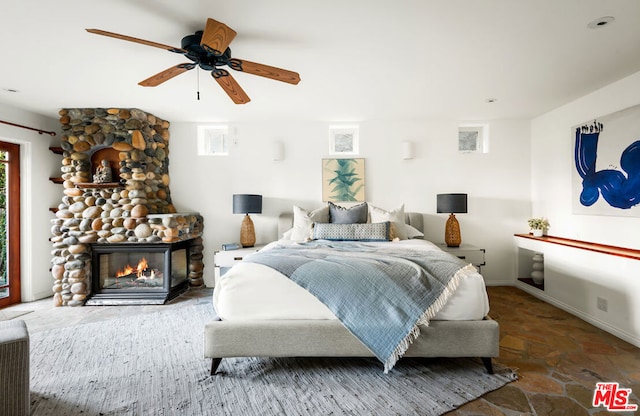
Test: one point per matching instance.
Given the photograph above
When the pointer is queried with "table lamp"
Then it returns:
(452, 204)
(247, 204)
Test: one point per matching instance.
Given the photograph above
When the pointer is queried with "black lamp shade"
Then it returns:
(247, 204)
(452, 203)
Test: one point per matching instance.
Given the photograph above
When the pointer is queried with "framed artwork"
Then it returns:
(606, 165)
(213, 140)
(343, 180)
(471, 138)
(343, 140)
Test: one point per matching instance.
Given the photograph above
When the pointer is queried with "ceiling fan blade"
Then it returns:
(136, 40)
(265, 71)
(166, 75)
(230, 86)
(216, 37)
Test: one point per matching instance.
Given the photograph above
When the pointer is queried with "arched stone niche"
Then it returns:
(112, 156)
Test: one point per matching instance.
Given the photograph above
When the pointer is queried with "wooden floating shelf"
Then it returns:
(56, 180)
(629, 253)
(56, 149)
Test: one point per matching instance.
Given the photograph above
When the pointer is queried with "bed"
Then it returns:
(263, 313)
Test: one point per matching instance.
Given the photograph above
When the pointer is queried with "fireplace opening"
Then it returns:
(138, 273)
(144, 275)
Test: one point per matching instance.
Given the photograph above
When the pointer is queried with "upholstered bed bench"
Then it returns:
(327, 338)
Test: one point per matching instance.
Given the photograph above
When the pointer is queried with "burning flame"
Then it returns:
(139, 270)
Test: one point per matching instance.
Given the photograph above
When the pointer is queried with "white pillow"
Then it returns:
(413, 232)
(287, 234)
(303, 221)
(395, 216)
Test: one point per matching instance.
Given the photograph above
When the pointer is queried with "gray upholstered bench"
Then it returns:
(14, 368)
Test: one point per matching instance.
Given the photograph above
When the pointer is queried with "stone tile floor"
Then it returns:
(558, 357)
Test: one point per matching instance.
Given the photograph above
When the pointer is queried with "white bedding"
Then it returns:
(251, 291)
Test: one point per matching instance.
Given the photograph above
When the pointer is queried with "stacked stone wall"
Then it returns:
(115, 212)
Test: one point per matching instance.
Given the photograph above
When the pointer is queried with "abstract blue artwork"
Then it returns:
(607, 165)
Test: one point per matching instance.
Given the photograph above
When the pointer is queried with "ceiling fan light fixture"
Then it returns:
(600, 22)
(209, 50)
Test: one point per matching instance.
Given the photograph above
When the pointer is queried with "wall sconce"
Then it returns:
(452, 203)
(407, 150)
(247, 204)
(278, 151)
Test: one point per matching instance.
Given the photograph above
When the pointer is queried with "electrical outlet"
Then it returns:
(602, 304)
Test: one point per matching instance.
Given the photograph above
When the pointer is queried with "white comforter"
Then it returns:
(251, 291)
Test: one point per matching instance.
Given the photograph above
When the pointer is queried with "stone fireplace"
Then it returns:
(138, 273)
(133, 210)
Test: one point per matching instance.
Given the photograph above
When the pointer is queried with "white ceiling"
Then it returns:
(358, 59)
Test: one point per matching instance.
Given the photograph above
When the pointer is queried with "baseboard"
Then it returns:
(630, 338)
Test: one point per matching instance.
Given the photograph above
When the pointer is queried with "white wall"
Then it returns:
(498, 182)
(552, 165)
(37, 164)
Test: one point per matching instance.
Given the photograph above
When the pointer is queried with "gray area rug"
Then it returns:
(153, 365)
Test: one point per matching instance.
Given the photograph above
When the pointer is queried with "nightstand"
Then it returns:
(223, 260)
(468, 252)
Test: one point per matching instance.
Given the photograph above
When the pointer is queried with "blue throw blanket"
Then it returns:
(380, 293)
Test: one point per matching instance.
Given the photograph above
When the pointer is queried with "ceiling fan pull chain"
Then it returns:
(198, 83)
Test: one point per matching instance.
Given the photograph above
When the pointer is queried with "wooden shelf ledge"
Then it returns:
(629, 253)
(93, 185)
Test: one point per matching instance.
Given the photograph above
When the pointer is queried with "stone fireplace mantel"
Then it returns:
(135, 208)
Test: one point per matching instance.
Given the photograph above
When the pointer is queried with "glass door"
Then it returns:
(9, 224)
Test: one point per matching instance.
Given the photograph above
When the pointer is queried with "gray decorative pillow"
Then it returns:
(352, 232)
(356, 214)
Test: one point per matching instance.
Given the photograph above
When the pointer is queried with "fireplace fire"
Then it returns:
(142, 275)
(138, 273)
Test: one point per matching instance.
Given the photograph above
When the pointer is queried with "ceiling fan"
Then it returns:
(209, 49)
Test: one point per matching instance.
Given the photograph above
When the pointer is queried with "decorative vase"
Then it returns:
(538, 232)
(538, 268)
